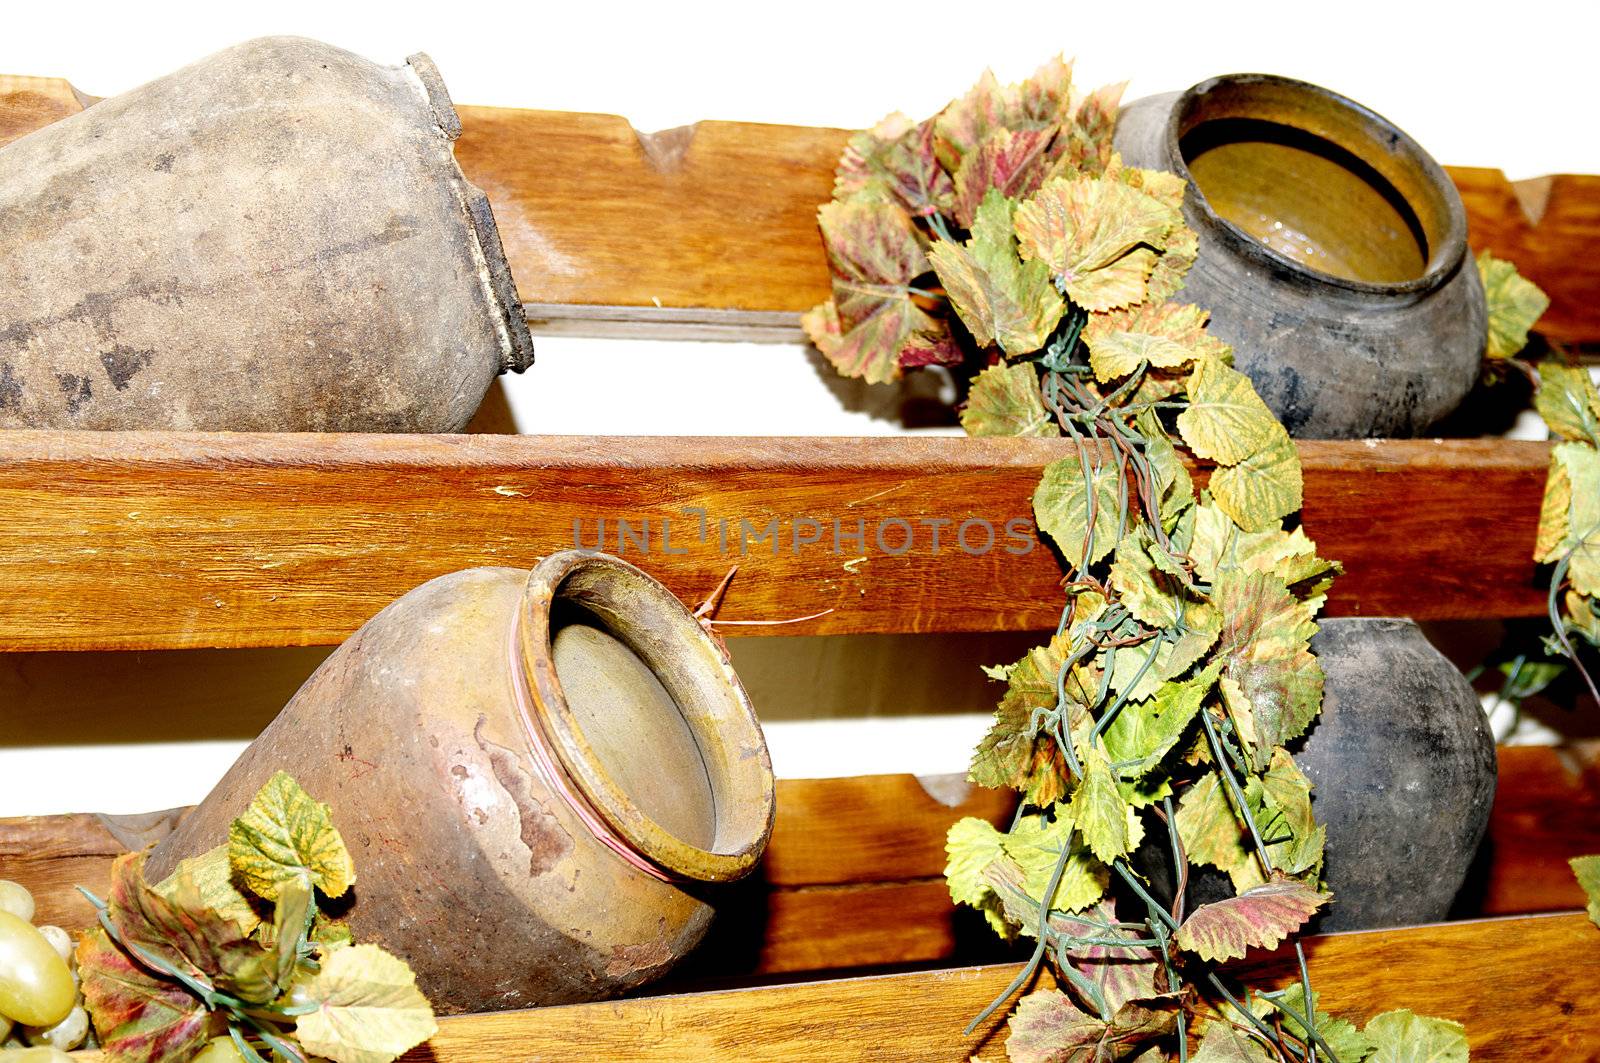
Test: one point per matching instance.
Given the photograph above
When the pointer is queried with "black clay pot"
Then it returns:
(1402, 765)
(1333, 252)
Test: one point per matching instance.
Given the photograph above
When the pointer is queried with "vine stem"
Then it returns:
(1238, 794)
(1560, 625)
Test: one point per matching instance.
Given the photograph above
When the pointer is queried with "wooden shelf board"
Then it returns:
(853, 877)
(606, 227)
(172, 540)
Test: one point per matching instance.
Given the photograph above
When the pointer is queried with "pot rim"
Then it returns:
(695, 670)
(1443, 259)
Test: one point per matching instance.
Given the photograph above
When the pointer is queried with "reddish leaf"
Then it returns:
(1122, 972)
(968, 121)
(1012, 162)
(1265, 648)
(895, 161)
(185, 933)
(938, 348)
(874, 253)
(1048, 1028)
(1085, 145)
(1259, 917)
(138, 1016)
(1044, 101)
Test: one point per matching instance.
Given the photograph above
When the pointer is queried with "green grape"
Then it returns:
(218, 1050)
(59, 940)
(38, 1054)
(66, 1035)
(15, 898)
(36, 988)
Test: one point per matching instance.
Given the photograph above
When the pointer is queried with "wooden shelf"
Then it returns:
(168, 540)
(853, 877)
(709, 231)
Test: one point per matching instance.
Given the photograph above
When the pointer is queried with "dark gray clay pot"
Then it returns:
(1403, 768)
(276, 238)
(1333, 252)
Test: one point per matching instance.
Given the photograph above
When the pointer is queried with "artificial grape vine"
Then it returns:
(1003, 238)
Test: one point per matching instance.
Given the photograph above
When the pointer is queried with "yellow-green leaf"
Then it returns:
(1587, 868)
(998, 297)
(1514, 302)
(1109, 825)
(1582, 541)
(212, 878)
(1143, 732)
(1402, 1037)
(1010, 754)
(1064, 504)
(368, 1008)
(1226, 420)
(1210, 831)
(1554, 512)
(1263, 488)
(1097, 236)
(285, 833)
(1035, 847)
(1264, 647)
(1167, 335)
(1568, 401)
(971, 845)
(1005, 401)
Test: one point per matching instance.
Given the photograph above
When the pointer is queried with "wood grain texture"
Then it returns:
(1546, 811)
(719, 218)
(161, 540)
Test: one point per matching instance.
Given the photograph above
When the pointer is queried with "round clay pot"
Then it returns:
(538, 775)
(1333, 252)
(276, 238)
(1402, 767)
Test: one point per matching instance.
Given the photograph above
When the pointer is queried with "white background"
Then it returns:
(1503, 85)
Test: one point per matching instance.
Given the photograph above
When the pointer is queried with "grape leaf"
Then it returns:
(1263, 488)
(1582, 541)
(1174, 486)
(1005, 401)
(971, 845)
(1045, 99)
(1226, 1043)
(1257, 918)
(1048, 1028)
(1207, 826)
(1587, 868)
(1169, 335)
(1109, 825)
(1226, 420)
(1202, 624)
(136, 1014)
(369, 1009)
(874, 253)
(1154, 595)
(1554, 522)
(1264, 647)
(1062, 504)
(1167, 278)
(1349, 1044)
(1121, 972)
(1402, 1037)
(1514, 302)
(1568, 401)
(212, 876)
(283, 833)
(967, 122)
(1096, 236)
(1009, 755)
(998, 297)
(1085, 144)
(894, 161)
(186, 934)
(1008, 162)
(1287, 807)
(1034, 847)
(1144, 732)
(1218, 544)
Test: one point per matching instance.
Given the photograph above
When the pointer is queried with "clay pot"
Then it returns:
(276, 238)
(1333, 252)
(1402, 765)
(538, 775)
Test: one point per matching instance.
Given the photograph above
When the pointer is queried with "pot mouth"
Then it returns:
(645, 717)
(1302, 179)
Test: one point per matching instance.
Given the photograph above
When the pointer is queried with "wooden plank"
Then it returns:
(1546, 811)
(1526, 989)
(708, 231)
(168, 540)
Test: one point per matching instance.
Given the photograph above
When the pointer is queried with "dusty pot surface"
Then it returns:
(276, 238)
(1333, 252)
(1402, 765)
(538, 776)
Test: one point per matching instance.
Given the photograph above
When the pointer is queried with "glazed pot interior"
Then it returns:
(1319, 180)
(646, 716)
